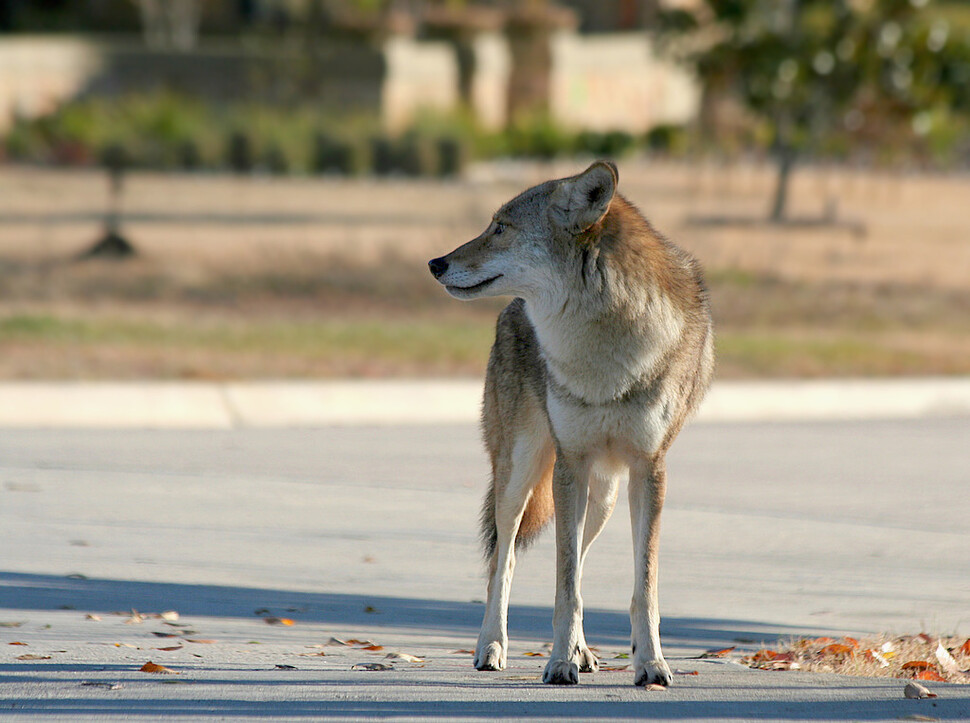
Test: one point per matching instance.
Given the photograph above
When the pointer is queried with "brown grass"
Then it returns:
(309, 278)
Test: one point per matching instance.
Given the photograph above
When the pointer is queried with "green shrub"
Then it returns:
(383, 156)
(275, 160)
(417, 155)
(189, 156)
(453, 155)
(239, 153)
(611, 144)
(539, 137)
(667, 139)
(334, 153)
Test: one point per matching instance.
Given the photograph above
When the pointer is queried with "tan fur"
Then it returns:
(595, 368)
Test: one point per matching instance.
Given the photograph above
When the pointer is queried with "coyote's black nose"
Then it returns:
(438, 267)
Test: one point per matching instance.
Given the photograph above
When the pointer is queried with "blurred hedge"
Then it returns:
(167, 131)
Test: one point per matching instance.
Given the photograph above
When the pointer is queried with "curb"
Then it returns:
(231, 405)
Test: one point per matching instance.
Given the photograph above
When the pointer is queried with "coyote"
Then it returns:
(602, 356)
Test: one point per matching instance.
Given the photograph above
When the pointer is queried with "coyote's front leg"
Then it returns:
(648, 483)
(569, 488)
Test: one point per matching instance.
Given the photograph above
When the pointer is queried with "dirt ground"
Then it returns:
(269, 277)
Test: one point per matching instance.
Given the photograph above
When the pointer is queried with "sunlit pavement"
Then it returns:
(368, 533)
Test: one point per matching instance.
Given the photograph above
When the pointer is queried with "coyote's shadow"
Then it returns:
(24, 591)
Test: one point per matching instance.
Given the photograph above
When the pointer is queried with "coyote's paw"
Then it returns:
(587, 662)
(653, 672)
(490, 656)
(561, 672)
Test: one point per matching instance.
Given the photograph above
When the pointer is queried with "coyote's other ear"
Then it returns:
(581, 201)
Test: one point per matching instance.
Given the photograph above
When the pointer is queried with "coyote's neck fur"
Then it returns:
(608, 329)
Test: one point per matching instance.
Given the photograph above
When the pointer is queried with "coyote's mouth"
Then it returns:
(474, 287)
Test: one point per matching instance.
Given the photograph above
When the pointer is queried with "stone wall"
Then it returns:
(615, 82)
(598, 81)
(36, 74)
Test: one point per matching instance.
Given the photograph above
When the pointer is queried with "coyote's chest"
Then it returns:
(599, 359)
(600, 372)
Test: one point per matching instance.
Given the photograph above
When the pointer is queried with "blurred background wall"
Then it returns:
(605, 80)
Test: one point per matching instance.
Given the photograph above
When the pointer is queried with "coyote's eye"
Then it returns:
(499, 228)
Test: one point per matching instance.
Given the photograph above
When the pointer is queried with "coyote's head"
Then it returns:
(531, 240)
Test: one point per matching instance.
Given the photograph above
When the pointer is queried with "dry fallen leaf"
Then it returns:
(930, 675)
(11, 625)
(373, 648)
(174, 647)
(283, 666)
(535, 655)
(360, 643)
(917, 665)
(169, 615)
(965, 648)
(200, 641)
(463, 652)
(915, 690)
(947, 662)
(16, 643)
(614, 668)
(278, 621)
(151, 667)
(372, 666)
(716, 652)
(32, 656)
(655, 686)
(403, 656)
(92, 616)
(336, 641)
(878, 657)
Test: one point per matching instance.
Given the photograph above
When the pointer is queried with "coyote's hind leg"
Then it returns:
(519, 499)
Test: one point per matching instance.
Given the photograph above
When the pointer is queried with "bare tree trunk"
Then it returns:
(153, 22)
(786, 163)
(170, 23)
(184, 17)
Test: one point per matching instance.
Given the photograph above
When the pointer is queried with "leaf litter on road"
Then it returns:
(919, 657)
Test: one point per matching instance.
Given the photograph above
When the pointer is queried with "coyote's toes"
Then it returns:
(588, 663)
(653, 672)
(561, 672)
(490, 657)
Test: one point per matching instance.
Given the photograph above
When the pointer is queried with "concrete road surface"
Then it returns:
(370, 533)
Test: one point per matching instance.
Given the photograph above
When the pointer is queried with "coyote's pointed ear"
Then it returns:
(581, 201)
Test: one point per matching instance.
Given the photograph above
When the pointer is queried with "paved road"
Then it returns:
(770, 530)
